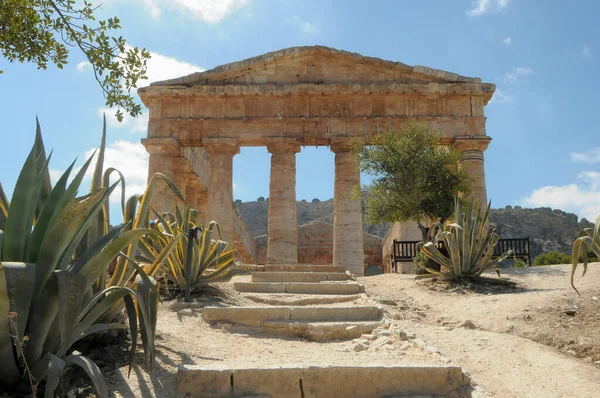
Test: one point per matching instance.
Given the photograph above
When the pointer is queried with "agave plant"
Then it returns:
(582, 246)
(469, 242)
(166, 252)
(49, 264)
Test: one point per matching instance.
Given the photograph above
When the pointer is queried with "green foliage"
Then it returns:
(583, 246)
(45, 283)
(469, 243)
(422, 263)
(41, 32)
(551, 258)
(414, 177)
(166, 252)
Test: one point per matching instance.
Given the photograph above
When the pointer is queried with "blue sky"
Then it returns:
(543, 57)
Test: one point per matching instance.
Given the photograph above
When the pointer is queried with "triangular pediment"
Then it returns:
(317, 65)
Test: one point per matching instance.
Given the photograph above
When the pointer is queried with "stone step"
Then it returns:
(299, 287)
(294, 381)
(299, 277)
(301, 299)
(257, 316)
(299, 268)
(321, 330)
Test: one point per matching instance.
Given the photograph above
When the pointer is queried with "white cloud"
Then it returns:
(159, 67)
(212, 11)
(586, 51)
(130, 158)
(500, 98)
(480, 7)
(507, 41)
(581, 197)
(162, 67)
(513, 76)
(304, 26)
(589, 156)
(83, 65)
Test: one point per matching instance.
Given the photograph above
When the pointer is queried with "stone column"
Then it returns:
(165, 158)
(472, 162)
(282, 237)
(347, 212)
(195, 195)
(219, 201)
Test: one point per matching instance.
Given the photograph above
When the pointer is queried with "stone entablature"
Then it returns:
(309, 96)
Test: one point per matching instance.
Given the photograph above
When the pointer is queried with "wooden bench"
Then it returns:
(404, 251)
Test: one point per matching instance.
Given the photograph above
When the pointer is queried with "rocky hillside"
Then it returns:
(548, 229)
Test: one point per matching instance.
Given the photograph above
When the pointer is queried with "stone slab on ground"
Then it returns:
(297, 299)
(365, 381)
(322, 330)
(299, 287)
(299, 276)
(298, 268)
(257, 315)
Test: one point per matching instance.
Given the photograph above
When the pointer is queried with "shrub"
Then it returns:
(551, 258)
(212, 260)
(53, 252)
(422, 262)
(583, 246)
(469, 244)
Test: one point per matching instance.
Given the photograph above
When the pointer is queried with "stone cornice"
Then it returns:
(148, 94)
(163, 145)
(471, 143)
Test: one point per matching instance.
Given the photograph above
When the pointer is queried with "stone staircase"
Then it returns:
(314, 302)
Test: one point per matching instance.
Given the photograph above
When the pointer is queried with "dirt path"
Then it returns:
(498, 349)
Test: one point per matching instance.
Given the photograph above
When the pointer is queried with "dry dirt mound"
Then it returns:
(537, 340)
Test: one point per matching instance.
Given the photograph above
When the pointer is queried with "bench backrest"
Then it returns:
(405, 250)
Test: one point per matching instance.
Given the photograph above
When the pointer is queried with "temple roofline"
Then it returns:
(197, 77)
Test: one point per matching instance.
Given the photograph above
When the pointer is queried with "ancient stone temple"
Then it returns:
(285, 100)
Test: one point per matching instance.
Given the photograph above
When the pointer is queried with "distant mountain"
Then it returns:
(547, 229)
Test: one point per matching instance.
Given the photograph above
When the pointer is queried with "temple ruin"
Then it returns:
(287, 99)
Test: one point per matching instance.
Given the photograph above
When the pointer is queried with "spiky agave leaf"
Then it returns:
(469, 242)
(581, 247)
(4, 205)
(9, 371)
(123, 273)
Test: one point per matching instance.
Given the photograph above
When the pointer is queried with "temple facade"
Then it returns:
(284, 100)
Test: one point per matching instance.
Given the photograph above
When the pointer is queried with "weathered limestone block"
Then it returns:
(282, 247)
(219, 206)
(383, 381)
(472, 161)
(204, 382)
(347, 212)
(270, 381)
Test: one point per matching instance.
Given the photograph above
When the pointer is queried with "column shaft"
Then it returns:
(347, 213)
(282, 237)
(219, 201)
(165, 154)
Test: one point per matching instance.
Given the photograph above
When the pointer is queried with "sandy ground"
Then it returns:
(499, 349)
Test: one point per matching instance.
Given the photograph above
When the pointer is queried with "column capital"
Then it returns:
(283, 147)
(221, 145)
(167, 146)
(470, 143)
(341, 146)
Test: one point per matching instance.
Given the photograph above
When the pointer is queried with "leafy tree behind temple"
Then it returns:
(414, 177)
(43, 32)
